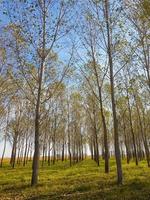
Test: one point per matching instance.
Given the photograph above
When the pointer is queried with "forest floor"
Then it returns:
(81, 181)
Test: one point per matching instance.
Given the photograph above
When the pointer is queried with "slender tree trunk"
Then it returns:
(115, 121)
(126, 142)
(25, 153)
(21, 152)
(96, 149)
(54, 147)
(102, 113)
(27, 157)
(18, 156)
(63, 151)
(91, 148)
(68, 133)
(30, 152)
(35, 166)
(105, 136)
(5, 139)
(143, 134)
(13, 154)
(132, 131)
(2, 158)
(49, 151)
(82, 148)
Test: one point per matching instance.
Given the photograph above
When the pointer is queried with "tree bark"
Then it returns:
(35, 166)
(115, 120)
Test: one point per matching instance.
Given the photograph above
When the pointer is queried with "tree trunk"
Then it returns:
(126, 142)
(63, 151)
(132, 131)
(102, 113)
(25, 153)
(143, 134)
(115, 121)
(13, 154)
(2, 158)
(35, 166)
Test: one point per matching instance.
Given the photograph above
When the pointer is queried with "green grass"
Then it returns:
(82, 181)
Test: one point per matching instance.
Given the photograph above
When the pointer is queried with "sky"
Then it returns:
(8, 150)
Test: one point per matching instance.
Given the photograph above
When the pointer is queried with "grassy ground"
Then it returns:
(81, 181)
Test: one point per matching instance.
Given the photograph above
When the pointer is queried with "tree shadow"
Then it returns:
(135, 190)
(16, 188)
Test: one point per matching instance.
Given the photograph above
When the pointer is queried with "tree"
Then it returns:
(115, 120)
(35, 37)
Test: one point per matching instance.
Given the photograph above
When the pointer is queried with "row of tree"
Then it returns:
(75, 77)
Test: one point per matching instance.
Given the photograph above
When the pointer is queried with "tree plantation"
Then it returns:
(75, 99)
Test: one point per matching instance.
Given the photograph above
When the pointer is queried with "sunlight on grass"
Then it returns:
(81, 181)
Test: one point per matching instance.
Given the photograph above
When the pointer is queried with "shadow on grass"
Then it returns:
(16, 188)
(132, 191)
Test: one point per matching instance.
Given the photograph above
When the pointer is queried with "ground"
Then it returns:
(83, 181)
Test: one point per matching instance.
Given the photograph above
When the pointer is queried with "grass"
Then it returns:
(83, 181)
